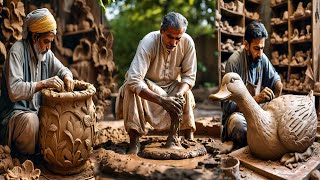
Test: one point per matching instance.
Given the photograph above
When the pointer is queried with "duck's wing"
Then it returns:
(298, 125)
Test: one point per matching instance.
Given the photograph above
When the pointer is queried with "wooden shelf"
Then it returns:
(300, 18)
(281, 23)
(258, 2)
(279, 4)
(301, 41)
(231, 34)
(230, 13)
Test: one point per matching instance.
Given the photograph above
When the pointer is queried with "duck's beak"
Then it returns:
(223, 94)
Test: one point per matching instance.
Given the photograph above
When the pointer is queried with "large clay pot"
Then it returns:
(67, 127)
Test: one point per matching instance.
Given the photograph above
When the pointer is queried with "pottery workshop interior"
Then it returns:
(161, 89)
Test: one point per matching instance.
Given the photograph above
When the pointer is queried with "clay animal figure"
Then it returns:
(286, 125)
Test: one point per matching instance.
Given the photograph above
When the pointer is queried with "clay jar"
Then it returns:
(67, 128)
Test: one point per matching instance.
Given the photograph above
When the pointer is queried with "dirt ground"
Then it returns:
(109, 160)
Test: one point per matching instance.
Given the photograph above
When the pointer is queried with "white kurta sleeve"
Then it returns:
(138, 69)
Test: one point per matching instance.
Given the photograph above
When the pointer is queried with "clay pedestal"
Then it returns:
(67, 122)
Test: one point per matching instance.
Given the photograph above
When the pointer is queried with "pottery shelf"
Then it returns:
(302, 45)
(240, 15)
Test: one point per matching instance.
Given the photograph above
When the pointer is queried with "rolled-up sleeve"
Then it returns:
(138, 69)
(17, 89)
(189, 64)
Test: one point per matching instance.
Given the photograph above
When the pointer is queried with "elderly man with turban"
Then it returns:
(29, 67)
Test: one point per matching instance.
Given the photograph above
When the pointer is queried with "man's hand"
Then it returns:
(68, 81)
(265, 95)
(53, 82)
(182, 100)
(172, 104)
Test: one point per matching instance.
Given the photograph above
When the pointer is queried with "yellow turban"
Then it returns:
(41, 21)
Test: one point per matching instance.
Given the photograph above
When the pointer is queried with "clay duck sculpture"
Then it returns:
(285, 125)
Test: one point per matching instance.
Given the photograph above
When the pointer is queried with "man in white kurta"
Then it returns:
(163, 67)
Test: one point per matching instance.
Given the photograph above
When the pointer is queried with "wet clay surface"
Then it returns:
(109, 160)
(188, 149)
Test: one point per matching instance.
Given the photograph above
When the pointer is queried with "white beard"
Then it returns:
(41, 57)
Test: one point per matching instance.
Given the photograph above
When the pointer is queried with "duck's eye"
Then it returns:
(232, 80)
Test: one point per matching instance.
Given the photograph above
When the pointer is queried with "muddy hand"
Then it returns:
(181, 100)
(69, 83)
(265, 95)
(53, 82)
(172, 105)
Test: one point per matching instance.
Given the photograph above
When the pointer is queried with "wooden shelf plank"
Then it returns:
(294, 19)
(301, 41)
(230, 13)
(258, 2)
(231, 34)
(281, 23)
(279, 4)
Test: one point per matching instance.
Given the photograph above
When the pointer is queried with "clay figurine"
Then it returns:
(286, 124)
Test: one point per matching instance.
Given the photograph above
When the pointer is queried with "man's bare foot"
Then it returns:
(226, 147)
(134, 146)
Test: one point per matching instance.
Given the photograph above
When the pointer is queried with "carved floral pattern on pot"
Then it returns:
(67, 127)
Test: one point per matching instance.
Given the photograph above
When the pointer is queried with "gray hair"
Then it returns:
(175, 20)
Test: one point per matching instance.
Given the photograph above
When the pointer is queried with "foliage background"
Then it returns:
(133, 19)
